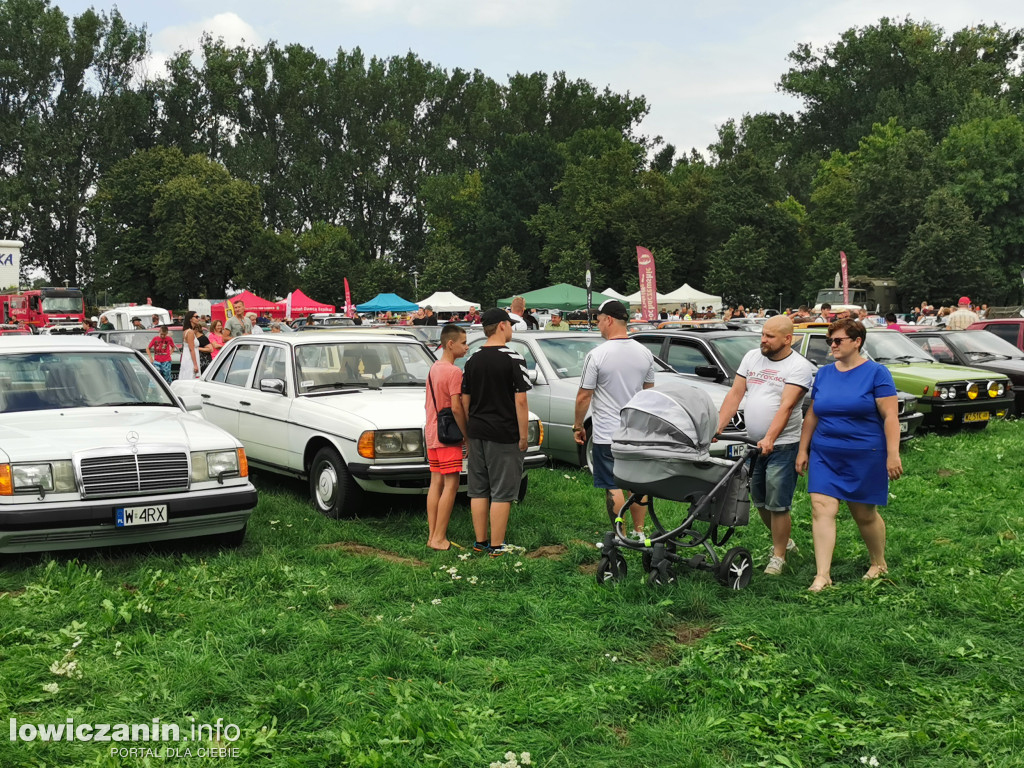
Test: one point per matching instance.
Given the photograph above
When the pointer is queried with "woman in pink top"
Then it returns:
(215, 337)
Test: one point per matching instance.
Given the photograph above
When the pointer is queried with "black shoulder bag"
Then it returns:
(448, 431)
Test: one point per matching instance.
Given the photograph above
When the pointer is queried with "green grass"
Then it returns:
(325, 657)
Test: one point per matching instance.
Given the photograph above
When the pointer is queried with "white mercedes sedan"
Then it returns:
(346, 411)
(95, 450)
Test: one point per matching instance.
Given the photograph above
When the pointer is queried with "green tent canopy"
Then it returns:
(559, 296)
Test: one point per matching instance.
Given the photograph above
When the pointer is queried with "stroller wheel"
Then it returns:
(663, 574)
(645, 561)
(736, 568)
(611, 567)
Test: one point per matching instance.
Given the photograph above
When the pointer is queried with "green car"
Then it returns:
(948, 395)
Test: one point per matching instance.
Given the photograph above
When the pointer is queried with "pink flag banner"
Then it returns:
(350, 308)
(846, 277)
(648, 284)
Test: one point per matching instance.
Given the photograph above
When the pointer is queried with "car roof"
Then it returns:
(58, 343)
(691, 333)
(1000, 320)
(307, 337)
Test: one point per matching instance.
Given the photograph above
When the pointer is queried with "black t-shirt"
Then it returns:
(532, 324)
(492, 378)
(431, 320)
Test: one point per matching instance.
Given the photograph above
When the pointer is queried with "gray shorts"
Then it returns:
(494, 470)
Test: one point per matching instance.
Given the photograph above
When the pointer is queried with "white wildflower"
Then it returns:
(51, 688)
(464, 556)
(512, 755)
(524, 758)
(436, 601)
(274, 522)
(453, 570)
(473, 579)
(873, 762)
(78, 642)
(519, 564)
(567, 477)
(864, 759)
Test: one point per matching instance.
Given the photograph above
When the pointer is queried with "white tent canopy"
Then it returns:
(121, 317)
(614, 294)
(634, 299)
(685, 294)
(446, 301)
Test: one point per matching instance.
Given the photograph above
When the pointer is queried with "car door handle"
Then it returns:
(205, 396)
(244, 402)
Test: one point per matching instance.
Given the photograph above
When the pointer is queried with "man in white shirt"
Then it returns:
(774, 379)
(612, 373)
(516, 311)
(963, 317)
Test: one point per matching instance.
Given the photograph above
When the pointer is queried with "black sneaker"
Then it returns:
(499, 550)
(481, 546)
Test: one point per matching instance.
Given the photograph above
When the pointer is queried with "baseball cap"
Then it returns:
(963, 300)
(495, 316)
(556, 313)
(613, 308)
(429, 307)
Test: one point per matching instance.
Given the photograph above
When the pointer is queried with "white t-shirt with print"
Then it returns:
(616, 370)
(766, 379)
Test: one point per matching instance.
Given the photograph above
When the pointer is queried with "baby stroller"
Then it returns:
(661, 450)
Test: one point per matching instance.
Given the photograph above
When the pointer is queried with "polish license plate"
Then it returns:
(151, 515)
(979, 416)
(903, 426)
(735, 451)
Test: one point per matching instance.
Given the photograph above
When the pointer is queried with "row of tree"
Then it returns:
(273, 168)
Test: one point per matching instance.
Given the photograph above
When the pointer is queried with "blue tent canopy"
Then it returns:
(387, 302)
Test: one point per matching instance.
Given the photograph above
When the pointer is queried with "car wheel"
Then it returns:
(587, 452)
(331, 486)
(524, 485)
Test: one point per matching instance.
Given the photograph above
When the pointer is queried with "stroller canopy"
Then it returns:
(674, 420)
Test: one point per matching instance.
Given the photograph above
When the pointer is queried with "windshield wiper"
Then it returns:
(986, 356)
(337, 385)
(912, 358)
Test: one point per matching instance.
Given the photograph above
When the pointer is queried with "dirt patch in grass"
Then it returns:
(589, 569)
(13, 593)
(948, 472)
(587, 544)
(682, 634)
(621, 734)
(550, 551)
(339, 606)
(361, 549)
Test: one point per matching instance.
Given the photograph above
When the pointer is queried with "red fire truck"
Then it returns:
(43, 307)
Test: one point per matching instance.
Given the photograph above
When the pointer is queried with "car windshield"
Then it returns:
(38, 381)
(327, 366)
(982, 345)
(58, 304)
(894, 347)
(566, 355)
(733, 348)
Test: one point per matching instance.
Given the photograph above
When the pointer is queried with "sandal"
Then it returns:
(819, 583)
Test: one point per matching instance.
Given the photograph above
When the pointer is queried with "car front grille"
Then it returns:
(736, 423)
(134, 474)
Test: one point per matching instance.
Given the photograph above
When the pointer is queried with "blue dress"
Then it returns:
(848, 451)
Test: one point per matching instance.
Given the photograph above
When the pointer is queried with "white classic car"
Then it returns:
(344, 410)
(95, 450)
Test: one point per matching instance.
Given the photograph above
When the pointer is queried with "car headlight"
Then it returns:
(38, 477)
(973, 390)
(910, 405)
(390, 443)
(534, 432)
(996, 389)
(216, 465)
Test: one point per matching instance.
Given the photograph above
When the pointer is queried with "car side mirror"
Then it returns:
(274, 386)
(531, 374)
(712, 372)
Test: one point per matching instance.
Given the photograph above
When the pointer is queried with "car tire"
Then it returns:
(524, 485)
(331, 487)
(586, 452)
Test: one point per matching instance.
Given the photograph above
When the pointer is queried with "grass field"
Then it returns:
(348, 643)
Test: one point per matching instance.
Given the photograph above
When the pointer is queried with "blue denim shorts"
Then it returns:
(773, 478)
(604, 466)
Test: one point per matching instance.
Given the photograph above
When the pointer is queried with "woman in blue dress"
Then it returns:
(851, 444)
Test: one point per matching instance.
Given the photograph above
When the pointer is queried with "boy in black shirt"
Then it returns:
(494, 388)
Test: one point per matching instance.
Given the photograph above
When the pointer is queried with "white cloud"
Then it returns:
(233, 29)
(460, 13)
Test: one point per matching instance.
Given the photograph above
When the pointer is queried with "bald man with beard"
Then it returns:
(774, 379)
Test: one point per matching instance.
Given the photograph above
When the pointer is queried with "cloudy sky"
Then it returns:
(698, 64)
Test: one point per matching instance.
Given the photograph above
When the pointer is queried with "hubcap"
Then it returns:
(326, 486)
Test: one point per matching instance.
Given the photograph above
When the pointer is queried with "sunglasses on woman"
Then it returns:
(835, 341)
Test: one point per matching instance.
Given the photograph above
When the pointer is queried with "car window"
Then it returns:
(474, 347)
(524, 350)
(733, 348)
(43, 381)
(818, 351)
(566, 354)
(223, 364)
(272, 365)
(652, 344)
(684, 357)
(938, 348)
(237, 369)
(1005, 331)
(337, 365)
